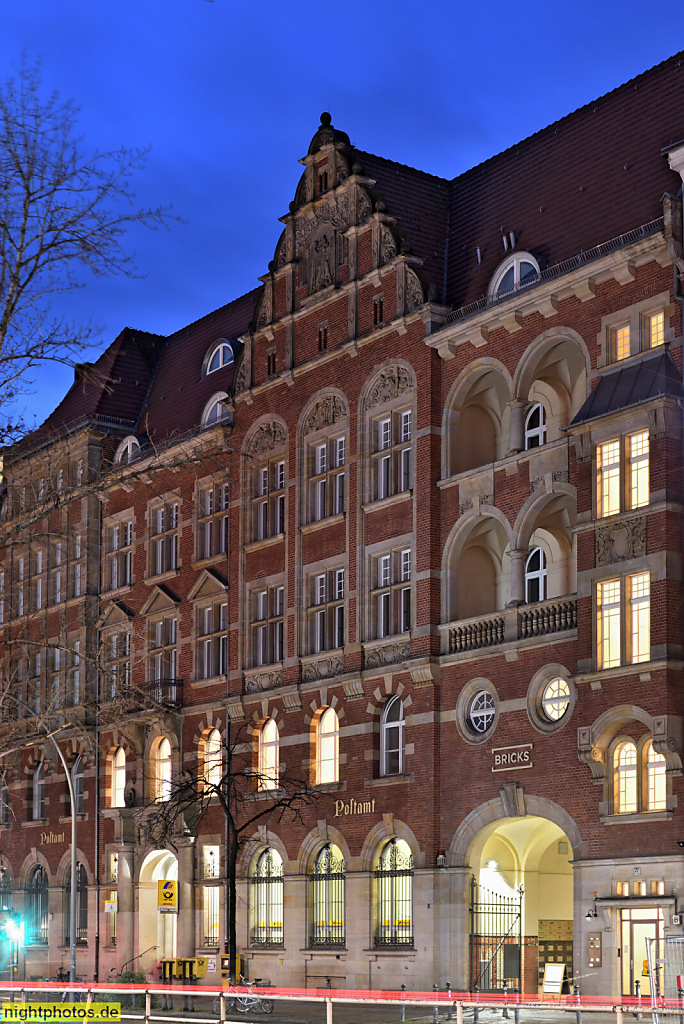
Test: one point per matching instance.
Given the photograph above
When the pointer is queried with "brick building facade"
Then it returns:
(407, 521)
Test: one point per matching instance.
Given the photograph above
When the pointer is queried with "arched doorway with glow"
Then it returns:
(521, 904)
(155, 929)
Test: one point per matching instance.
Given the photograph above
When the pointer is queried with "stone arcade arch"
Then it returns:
(512, 840)
(155, 928)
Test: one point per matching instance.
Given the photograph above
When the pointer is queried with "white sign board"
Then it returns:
(553, 978)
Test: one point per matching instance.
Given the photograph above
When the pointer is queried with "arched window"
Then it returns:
(392, 738)
(37, 917)
(626, 778)
(162, 770)
(327, 748)
(555, 699)
(38, 793)
(394, 882)
(267, 899)
(268, 756)
(118, 790)
(221, 355)
(5, 890)
(327, 882)
(515, 272)
(77, 783)
(535, 426)
(81, 906)
(656, 779)
(213, 762)
(535, 576)
(128, 451)
(216, 410)
(481, 711)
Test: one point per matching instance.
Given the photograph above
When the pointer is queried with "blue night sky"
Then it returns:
(227, 96)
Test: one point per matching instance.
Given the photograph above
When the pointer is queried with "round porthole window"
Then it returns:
(481, 711)
(555, 699)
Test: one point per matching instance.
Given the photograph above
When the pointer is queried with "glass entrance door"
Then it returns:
(639, 924)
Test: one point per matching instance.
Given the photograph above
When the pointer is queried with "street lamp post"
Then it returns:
(72, 797)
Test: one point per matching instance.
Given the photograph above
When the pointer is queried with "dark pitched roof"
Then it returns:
(179, 393)
(648, 378)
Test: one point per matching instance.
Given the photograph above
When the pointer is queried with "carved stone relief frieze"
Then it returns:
(618, 542)
(388, 655)
(328, 410)
(364, 207)
(243, 378)
(388, 244)
(264, 681)
(266, 437)
(324, 668)
(389, 384)
(414, 291)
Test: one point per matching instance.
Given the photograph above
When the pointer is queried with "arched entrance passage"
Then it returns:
(155, 928)
(514, 933)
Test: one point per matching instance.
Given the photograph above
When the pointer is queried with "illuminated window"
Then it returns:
(608, 478)
(392, 738)
(656, 779)
(213, 761)
(626, 777)
(162, 771)
(619, 338)
(327, 753)
(268, 756)
(535, 426)
(535, 576)
(655, 329)
(637, 454)
(640, 617)
(394, 888)
(327, 883)
(608, 638)
(267, 900)
(555, 699)
(118, 790)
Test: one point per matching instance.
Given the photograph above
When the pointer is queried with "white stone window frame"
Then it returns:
(217, 637)
(171, 559)
(388, 474)
(218, 346)
(535, 432)
(535, 694)
(514, 260)
(325, 479)
(468, 694)
(396, 551)
(325, 604)
(218, 519)
(128, 451)
(262, 652)
(636, 316)
(622, 430)
(268, 502)
(625, 616)
(109, 525)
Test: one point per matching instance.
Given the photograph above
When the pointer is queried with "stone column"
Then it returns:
(517, 439)
(125, 896)
(185, 937)
(517, 578)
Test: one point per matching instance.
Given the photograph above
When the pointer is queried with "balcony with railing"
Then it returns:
(166, 692)
(525, 622)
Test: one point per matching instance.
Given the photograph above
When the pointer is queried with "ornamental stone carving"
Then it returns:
(268, 436)
(390, 383)
(414, 291)
(327, 411)
(324, 668)
(388, 655)
(264, 681)
(388, 245)
(619, 542)
(243, 374)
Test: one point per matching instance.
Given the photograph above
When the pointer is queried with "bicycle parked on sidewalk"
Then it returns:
(245, 1002)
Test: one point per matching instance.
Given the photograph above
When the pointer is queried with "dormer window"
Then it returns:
(216, 410)
(128, 451)
(517, 271)
(535, 426)
(219, 356)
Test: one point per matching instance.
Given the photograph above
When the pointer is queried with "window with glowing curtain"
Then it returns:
(626, 778)
(394, 894)
(268, 756)
(327, 882)
(118, 791)
(656, 779)
(327, 753)
(267, 899)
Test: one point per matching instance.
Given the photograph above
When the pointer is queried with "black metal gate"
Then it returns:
(495, 939)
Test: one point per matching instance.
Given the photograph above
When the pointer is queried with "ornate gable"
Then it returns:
(209, 584)
(159, 600)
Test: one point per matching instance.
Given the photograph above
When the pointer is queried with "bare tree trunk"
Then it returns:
(232, 902)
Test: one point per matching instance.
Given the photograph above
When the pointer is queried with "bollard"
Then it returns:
(402, 1008)
(328, 1011)
(459, 1013)
(637, 986)
(680, 1003)
(476, 1008)
(516, 1008)
(435, 1008)
(578, 1012)
(618, 1014)
(222, 1006)
(148, 1006)
(450, 1005)
(505, 992)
